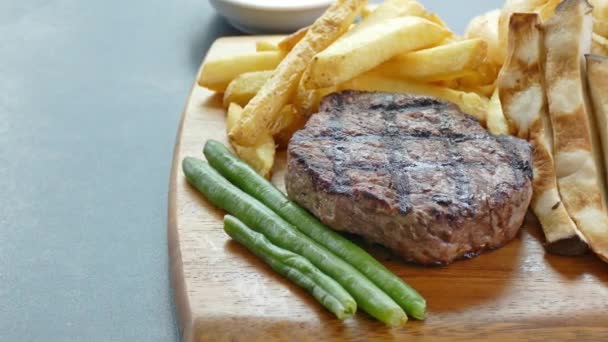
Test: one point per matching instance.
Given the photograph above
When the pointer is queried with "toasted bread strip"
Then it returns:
(578, 162)
(597, 78)
(520, 87)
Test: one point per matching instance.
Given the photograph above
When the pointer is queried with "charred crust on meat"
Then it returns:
(412, 173)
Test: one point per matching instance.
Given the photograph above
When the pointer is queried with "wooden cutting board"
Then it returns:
(223, 292)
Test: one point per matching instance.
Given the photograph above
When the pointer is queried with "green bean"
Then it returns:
(244, 177)
(295, 267)
(254, 214)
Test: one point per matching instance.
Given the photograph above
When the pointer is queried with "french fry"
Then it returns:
(307, 100)
(599, 45)
(600, 17)
(369, 47)
(485, 27)
(367, 10)
(264, 45)
(261, 112)
(520, 85)
(259, 157)
(389, 9)
(578, 159)
(287, 43)
(485, 75)
(291, 121)
(469, 103)
(485, 90)
(496, 122)
(547, 9)
(217, 74)
(444, 62)
(244, 87)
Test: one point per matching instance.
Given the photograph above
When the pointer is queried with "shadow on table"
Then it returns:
(216, 28)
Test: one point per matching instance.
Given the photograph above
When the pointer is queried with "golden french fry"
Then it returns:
(497, 124)
(217, 74)
(485, 27)
(485, 74)
(261, 112)
(446, 83)
(578, 158)
(244, 87)
(291, 121)
(440, 63)
(369, 47)
(307, 100)
(520, 86)
(389, 9)
(469, 103)
(287, 43)
(599, 45)
(261, 156)
(485, 90)
(264, 45)
(547, 9)
(405, 8)
(600, 17)
(367, 10)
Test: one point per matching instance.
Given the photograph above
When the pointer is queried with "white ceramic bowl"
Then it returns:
(270, 16)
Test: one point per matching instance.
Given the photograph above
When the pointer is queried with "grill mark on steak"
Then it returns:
(412, 173)
(399, 179)
(337, 153)
(462, 182)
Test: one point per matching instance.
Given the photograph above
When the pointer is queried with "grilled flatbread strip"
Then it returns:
(578, 161)
(521, 91)
(597, 78)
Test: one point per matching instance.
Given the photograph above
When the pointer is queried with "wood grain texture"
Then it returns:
(224, 293)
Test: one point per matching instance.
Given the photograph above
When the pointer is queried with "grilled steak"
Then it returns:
(411, 173)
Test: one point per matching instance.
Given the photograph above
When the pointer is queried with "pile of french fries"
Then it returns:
(395, 46)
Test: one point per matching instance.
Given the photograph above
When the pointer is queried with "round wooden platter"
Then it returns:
(223, 292)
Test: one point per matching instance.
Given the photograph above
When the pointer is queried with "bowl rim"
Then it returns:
(289, 5)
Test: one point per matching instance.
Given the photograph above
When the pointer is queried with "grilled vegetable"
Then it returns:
(223, 194)
(249, 181)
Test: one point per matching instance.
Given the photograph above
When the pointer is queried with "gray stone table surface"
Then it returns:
(91, 93)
